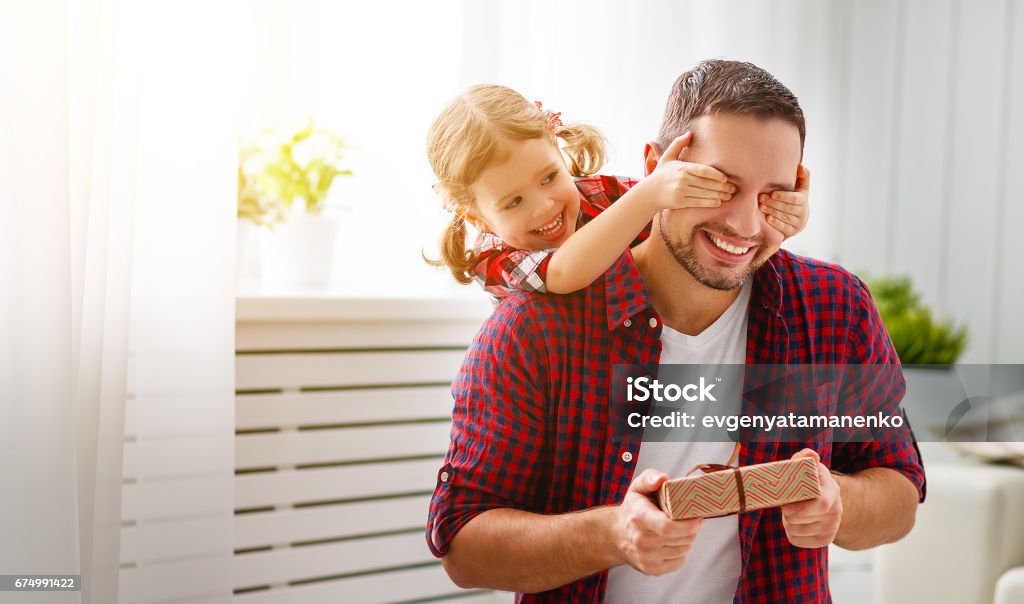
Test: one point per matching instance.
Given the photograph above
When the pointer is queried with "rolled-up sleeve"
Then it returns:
(498, 425)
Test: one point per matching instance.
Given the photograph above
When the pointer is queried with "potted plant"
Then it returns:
(283, 184)
(919, 338)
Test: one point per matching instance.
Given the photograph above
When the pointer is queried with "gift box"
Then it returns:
(723, 490)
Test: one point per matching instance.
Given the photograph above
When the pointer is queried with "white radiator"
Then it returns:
(342, 417)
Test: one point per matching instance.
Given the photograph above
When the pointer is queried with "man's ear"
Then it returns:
(652, 153)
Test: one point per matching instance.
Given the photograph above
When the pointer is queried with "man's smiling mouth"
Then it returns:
(726, 246)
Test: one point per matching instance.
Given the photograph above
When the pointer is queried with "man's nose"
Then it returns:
(743, 215)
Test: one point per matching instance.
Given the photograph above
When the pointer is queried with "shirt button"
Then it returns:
(652, 322)
(444, 476)
(627, 323)
(764, 305)
(627, 456)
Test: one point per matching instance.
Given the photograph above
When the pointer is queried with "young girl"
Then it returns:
(499, 167)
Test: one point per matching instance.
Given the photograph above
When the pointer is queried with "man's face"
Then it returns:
(721, 247)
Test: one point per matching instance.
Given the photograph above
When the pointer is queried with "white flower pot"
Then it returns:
(298, 255)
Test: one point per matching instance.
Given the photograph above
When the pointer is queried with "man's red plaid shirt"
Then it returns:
(531, 421)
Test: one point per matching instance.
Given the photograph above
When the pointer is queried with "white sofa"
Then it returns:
(967, 546)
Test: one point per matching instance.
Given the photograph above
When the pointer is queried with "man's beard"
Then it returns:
(685, 253)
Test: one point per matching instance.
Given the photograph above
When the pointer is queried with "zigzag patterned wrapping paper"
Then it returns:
(765, 485)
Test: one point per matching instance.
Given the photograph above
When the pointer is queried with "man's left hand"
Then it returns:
(814, 523)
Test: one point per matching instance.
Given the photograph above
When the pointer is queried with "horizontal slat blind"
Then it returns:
(288, 526)
(341, 425)
(326, 408)
(331, 559)
(408, 584)
(363, 334)
(330, 484)
(343, 445)
(341, 369)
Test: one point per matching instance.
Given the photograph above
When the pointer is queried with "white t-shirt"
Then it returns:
(712, 568)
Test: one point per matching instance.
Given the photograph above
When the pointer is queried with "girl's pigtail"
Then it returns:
(584, 146)
(454, 255)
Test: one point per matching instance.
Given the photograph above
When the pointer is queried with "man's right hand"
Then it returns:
(646, 538)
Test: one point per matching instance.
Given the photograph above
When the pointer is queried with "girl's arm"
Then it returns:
(588, 253)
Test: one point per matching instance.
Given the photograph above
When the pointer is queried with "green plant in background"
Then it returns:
(918, 337)
(274, 174)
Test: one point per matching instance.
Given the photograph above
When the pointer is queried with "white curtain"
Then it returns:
(117, 187)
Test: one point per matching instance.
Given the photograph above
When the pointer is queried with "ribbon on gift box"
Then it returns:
(718, 467)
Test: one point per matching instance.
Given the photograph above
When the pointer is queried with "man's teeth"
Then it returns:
(732, 249)
(550, 227)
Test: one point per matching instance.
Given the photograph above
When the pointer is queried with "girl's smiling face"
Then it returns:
(530, 201)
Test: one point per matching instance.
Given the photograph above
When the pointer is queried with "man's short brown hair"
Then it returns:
(718, 86)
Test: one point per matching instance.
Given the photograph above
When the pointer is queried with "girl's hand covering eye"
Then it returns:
(788, 211)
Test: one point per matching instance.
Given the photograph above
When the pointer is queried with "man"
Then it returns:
(539, 495)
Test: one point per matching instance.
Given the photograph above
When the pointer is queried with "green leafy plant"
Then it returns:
(919, 338)
(275, 174)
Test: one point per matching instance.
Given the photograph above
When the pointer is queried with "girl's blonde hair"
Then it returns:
(474, 132)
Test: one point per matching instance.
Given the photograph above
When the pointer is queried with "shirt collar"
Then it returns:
(627, 295)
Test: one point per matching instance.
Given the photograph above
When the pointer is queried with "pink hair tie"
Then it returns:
(554, 119)
(447, 202)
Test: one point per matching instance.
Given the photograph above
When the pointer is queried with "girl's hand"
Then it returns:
(676, 184)
(787, 211)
